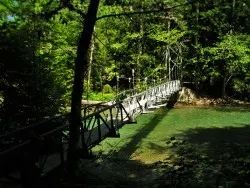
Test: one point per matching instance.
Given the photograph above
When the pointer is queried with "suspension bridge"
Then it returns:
(44, 145)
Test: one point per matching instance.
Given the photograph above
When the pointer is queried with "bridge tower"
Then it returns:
(173, 61)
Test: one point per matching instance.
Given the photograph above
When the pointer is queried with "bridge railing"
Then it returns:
(132, 105)
(48, 141)
(127, 93)
(103, 123)
(48, 147)
(141, 102)
(21, 137)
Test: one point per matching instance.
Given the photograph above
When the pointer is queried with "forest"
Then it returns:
(42, 41)
(56, 53)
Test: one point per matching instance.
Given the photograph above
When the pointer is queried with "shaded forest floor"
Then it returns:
(183, 147)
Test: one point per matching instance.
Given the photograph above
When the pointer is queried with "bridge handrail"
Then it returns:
(102, 110)
(65, 116)
(32, 126)
(126, 92)
(140, 102)
(55, 129)
(103, 121)
(151, 88)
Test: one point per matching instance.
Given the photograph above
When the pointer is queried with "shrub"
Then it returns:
(107, 89)
(99, 96)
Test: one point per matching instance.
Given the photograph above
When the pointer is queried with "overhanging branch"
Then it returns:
(229, 78)
(70, 6)
(145, 12)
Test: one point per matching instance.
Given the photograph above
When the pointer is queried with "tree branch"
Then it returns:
(48, 15)
(145, 12)
(229, 78)
(70, 6)
(63, 4)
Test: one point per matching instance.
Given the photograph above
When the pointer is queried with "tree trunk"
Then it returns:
(140, 44)
(196, 8)
(81, 62)
(225, 81)
(90, 63)
(233, 11)
(232, 17)
(169, 64)
(168, 55)
(223, 89)
(180, 66)
(197, 23)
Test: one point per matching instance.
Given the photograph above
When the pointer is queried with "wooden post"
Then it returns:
(99, 127)
(61, 149)
(121, 114)
(84, 150)
(111, 120)
(113, 131)
(30, 173)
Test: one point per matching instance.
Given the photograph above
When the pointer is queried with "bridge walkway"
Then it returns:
(49, 144)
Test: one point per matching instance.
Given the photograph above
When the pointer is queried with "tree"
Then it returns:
(228, 59)
(208, 22)
(81, 63)
(27, 92)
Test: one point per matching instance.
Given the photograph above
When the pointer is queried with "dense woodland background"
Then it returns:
(208, 39)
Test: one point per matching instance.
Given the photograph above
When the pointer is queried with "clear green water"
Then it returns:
(147, 141)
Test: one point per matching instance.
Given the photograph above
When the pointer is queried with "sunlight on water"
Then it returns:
(148, 140)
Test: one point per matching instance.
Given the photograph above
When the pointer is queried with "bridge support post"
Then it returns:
(30, 172)
(172, 100)
(83, 151)
(61, 149)
(121, 108)
(132, 119)
(112, 132)
(99, 128)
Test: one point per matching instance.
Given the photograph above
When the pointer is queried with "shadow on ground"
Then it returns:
(210, 157)
(144, 131)
(199, 157)
(245, 109)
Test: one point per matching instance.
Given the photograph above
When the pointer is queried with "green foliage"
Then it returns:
(214, 37)
(161, 35)
(241, 86)
(95, 96)
(27, 85)
(141, 86)
(59, 48)
(229, 58)
(107, 89)
(217, 46)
